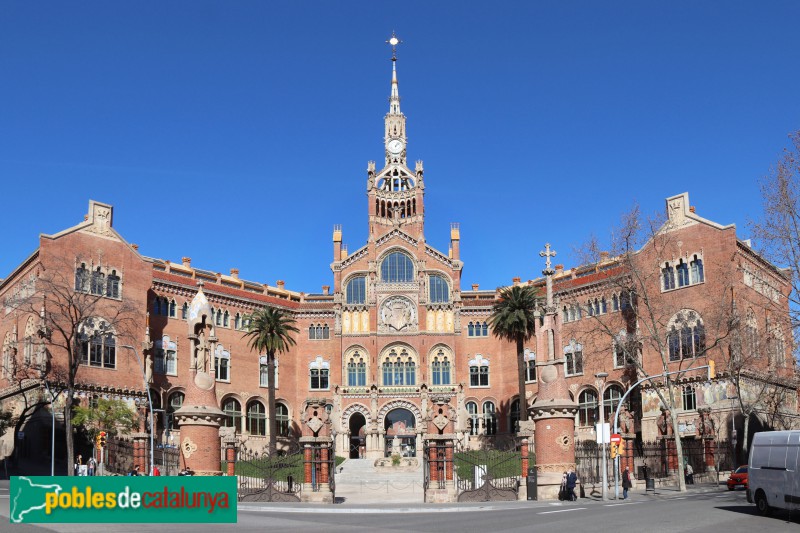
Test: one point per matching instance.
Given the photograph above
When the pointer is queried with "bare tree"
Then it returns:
(653, 333)
(80, 321)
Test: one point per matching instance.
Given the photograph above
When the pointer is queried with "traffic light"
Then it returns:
(614, 450)
(621, 448)
(101, 439)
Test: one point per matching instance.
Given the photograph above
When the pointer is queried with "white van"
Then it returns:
(773, 480)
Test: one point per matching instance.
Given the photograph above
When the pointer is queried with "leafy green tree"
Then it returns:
(513, 319)
(110, 416)
(270, 332)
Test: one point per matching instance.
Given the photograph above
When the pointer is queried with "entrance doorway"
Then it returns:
(357, 441)
(401, 436)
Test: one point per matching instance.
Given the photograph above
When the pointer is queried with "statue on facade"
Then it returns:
(704, 424)
(664, 423)
(626, 423)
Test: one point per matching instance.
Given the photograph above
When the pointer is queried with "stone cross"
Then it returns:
(548, 254)
(548, 272)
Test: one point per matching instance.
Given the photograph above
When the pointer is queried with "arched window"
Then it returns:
(489, 418)
(263, 372)
(485, 329)
(689, 397)
(777, 348)
(218, 320)
(326, 332)
(530, 366)
(513, 416)
(614, 303)
(686, 338)
(440, 368)
(479, 371)
(226, 319)
(573, 358)
(399, 368)
(165, 356)
(356, 370)
(157, 306)
(397, 267)
(683, 273)
(96, 345)
(82, 278)
(474, 420)
(356, 291)
(98, 282)
(173, 404)
(112, 285)
(603, 306)
(172, 309)
(319, 331)
(222, 363)
(590, 308)
(256, 418)
(696, 266)
(611, 398)
(312, 332)
(439, 290)
(237, 321)
(185, 310)
(282, 419)
(587, 408)
(233, 414)
(751, 335)
(668, 277)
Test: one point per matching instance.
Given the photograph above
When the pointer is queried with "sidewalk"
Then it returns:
(662, 493)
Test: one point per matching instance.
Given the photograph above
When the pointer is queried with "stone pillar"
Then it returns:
(318, 448)
(433, 462)
(307, 459)
(626, 458)
(710, 448)
(449, 458)
(672, 456)
(441, 487)
(141, 454)
(325, 466)
(524, 452)
(230, 456)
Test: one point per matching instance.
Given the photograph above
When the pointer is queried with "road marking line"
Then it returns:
(564, 510)
(618, 504)
(681, 498)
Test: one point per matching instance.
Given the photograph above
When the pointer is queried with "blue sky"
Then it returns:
(238, 133)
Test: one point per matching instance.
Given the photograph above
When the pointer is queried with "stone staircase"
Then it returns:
(360, 482)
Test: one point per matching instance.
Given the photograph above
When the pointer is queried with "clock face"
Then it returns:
(395, 146)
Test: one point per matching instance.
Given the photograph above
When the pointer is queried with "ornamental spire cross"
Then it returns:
(548, 254)
(394, 41)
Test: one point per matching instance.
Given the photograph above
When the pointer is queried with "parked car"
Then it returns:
(738, 478)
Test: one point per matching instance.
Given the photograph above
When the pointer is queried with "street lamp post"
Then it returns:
(149, 400)
(53, 429)
(733, 433)
(602, 431)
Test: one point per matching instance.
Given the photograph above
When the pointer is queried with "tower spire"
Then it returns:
(394, 98)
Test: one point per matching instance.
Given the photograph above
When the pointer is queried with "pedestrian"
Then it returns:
(562, 491)
(156, 471)
(626, 482)
(572, 481)
(134, 471)
(689, 474)
(92, 464)
(78, 463)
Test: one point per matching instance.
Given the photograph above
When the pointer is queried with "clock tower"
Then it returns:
(395, 192)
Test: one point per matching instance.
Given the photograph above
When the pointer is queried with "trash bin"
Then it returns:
(532, 484)
(650, 484)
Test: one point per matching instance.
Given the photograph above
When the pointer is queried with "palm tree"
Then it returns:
(513, 319)
(269, 332)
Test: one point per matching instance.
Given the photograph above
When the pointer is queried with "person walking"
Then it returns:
(92, 466)
(689, 474)
(626, 482)
(572, 481)
(78, 463)
(562, 491)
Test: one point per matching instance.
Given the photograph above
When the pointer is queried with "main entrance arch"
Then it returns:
(357, 425)
(400, 422)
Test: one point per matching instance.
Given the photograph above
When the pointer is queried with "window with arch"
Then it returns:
(399, 368)
(233, 414)
(174, 403)
(319, 332)
(397, 267)
(621, 346)
(611, 397)
(682, 269)
(441, 368)
(8, 361)
(474, 419)
(165, 356)
(696, 268)
(282, 419)
(319, 371)
(356, 370)
(478, 329)
(751, 335)
(689, 397)
(777, 347)
(479, 371)
(513, 416)
(225, 319)
(686, 337)
(614, 303)
(222, 363)
(112, 285)
(263, 372)
(587, 407)
(82, 278)
(573, 358)
(98, 286)
(489, 418)
(96, 344)
(530, 366)
(256, 418)
(438, 289)
(185, 311)
(667, 277)
(356, 290)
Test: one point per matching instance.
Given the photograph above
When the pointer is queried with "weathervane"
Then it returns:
(394, 41)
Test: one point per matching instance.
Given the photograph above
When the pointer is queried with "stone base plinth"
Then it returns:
(323, 495)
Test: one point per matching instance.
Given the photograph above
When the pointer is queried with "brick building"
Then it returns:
(397, 333)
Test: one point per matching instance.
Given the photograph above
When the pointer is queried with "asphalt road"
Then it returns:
(714, 511)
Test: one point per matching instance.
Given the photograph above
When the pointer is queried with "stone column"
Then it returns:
(524, 452)
(141, 454)
(230, 456)
(307, 460)
(626, 458)
(710, 448)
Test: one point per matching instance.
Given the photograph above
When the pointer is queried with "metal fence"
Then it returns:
(118, 456)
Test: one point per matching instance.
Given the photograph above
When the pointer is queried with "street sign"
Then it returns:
(616, 438)
(602, 431)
